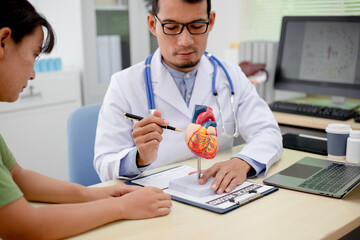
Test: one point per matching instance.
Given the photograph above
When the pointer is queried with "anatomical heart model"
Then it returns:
(201, 134)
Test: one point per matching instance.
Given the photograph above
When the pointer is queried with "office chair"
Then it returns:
(81, 138)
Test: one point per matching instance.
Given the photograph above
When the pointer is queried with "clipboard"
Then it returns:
(243, 194)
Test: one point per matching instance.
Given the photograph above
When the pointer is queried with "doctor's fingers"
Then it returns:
(153, 119)
(148, 148)
(208, 173)
(147, 152)
(152, 128)
(233, 172)
(226, 177)
(229, 181)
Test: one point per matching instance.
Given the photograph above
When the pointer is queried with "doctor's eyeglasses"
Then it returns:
(175, 28)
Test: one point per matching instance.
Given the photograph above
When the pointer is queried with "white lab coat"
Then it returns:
(127, 93)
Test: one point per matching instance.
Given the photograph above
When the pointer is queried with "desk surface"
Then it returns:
(310, 122)
(284, 214)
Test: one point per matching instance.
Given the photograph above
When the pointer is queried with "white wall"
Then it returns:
(65, 17)
(227, 26)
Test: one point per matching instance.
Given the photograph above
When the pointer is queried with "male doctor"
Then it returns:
(181, 77)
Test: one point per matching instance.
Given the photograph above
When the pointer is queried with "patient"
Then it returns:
(21, 42)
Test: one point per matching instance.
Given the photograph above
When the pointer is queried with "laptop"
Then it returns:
(318, 176)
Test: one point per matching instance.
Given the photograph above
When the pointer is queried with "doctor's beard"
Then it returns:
(189, 64)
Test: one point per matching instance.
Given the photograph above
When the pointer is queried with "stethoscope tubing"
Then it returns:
(148, 84)
(214, 61)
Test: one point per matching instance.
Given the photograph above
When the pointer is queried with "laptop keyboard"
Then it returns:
(332, 178)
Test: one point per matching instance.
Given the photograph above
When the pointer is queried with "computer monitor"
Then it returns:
(320, 55)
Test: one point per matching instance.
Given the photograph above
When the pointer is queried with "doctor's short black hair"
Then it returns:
(155, 5)
(22, 18)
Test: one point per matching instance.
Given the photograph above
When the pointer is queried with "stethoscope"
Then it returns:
(214, 61)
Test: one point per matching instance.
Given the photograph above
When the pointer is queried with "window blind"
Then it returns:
(263, 18)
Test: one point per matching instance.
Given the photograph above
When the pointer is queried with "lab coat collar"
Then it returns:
(164, 88)
(168, 91)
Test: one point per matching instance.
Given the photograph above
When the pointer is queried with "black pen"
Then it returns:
(138, 118)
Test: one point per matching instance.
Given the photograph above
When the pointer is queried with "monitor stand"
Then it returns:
(338, 102)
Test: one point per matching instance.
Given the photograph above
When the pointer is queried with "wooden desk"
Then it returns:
(310, 122)
(284, 214)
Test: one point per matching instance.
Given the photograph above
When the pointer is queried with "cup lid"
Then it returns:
(355, 134)
(338, 128)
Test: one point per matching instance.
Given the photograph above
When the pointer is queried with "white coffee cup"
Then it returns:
(337, 135)
(353, 147)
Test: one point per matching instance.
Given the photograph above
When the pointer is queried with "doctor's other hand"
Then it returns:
(146, 202)
(227, 175)
(147, 137)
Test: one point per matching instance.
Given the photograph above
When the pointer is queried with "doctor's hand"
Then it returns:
(147, 137)
(227, 174)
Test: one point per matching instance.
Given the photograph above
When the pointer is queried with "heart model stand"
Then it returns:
(198, 167)
(201, 137)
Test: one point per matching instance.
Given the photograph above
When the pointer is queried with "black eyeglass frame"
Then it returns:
(183, 25)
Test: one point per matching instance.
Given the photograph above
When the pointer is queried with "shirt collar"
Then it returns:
(180, 75)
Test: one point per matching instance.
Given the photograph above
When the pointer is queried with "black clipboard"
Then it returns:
(226, 210)
(241, 195)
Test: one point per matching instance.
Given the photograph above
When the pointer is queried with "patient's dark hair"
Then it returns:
(155, 5)
(21, 17)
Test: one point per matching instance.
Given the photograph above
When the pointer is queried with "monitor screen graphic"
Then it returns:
(320, 55)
